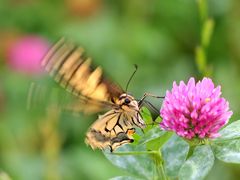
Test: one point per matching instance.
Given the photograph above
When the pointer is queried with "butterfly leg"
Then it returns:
(143, 101)
(148, 95)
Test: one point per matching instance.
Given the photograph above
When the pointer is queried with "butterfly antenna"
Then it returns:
(136, 67)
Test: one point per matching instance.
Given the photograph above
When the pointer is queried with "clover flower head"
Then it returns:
(195, 110)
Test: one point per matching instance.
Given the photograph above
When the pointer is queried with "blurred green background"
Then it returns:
(164, 38)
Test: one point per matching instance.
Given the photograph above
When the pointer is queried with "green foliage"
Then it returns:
(199, 164)
(153, 137)
(174, 154)
(133, 160)
(207, 32)
(157, 143)
(227, 146)
(230, 132)
(228, 151)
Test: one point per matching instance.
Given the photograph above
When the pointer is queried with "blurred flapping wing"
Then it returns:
(67, 64)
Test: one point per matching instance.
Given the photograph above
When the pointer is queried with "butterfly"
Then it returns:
(66, 63)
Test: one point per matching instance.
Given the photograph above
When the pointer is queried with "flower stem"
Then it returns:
(159, 167)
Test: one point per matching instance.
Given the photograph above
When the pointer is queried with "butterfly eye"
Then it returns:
(126, 101)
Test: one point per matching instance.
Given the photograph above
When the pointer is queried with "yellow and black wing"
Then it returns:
(112, 129)
(67, 64)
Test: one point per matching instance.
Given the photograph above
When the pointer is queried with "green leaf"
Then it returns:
(232, 131)
(125, 178)
(157, 143)
(228, 151)
(147, 117)
(174, 154)
(137, 137)
(158, 119)
(155, 138)
(198, 165)
(151, 135)
(135, 162)
(146, 114)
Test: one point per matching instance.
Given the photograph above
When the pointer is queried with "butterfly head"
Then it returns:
(127, 102)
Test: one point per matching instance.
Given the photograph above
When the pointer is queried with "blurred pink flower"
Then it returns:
(195, 110)
(26, 53)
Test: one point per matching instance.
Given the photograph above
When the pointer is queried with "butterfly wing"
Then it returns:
(67, 64)
(112, 129)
